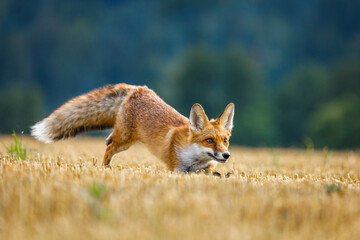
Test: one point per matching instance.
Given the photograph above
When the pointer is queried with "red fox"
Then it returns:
(136, 113)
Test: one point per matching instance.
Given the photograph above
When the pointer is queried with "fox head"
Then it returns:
(210, 138)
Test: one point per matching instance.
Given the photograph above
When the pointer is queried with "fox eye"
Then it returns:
(209, 140)
(226, 140)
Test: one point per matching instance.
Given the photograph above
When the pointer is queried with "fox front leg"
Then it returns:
(210, 170)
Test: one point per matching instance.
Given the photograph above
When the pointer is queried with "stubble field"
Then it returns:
(61, 191)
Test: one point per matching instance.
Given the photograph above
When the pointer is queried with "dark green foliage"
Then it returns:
(337, 123)
(303, 90)
(197, 80)
(345, 79)
(291, 68)
(20, 107)
(244, 85)
(321, 106)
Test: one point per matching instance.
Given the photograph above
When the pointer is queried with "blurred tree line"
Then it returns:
(291, 68)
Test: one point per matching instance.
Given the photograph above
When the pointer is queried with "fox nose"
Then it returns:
(226, 155)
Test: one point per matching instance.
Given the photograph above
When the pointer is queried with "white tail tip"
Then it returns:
(41, 132)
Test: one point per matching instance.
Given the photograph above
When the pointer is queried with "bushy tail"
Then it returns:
(91, 111)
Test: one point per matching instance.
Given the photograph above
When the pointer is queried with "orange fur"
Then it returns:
(137, 113)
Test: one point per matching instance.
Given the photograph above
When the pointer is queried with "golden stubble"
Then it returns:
(62, 192)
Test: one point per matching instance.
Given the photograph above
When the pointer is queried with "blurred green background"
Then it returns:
(291, 67)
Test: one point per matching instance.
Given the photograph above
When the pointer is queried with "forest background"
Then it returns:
(292, 68)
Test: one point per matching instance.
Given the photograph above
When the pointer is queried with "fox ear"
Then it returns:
(227, 117)
(198, 118)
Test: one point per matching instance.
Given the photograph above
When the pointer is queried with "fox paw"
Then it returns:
(228, 174)
(216, 174)
(107, 166)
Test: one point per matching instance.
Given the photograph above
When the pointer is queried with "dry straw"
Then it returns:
(60, 191)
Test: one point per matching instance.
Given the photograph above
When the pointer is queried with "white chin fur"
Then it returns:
(190, 156)
(40, 132)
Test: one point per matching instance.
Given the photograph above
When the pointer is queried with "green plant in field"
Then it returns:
(309, 145)
(276, 159)
(98, 190)
(17, 148)
(332, 188)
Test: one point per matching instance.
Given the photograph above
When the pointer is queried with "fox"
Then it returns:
(138, 114)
